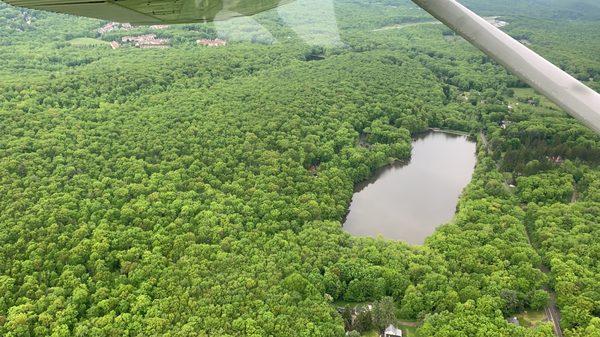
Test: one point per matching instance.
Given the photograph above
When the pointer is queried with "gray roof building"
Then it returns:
(392, 331)
(513, 320)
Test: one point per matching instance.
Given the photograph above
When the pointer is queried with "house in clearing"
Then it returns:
(513, 320)
(392, 331)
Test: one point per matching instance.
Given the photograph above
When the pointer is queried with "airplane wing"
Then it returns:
(567, 92)
(151, 12)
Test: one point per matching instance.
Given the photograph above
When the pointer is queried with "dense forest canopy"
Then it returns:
(198, 191)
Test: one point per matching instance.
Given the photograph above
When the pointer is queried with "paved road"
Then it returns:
(553, 314)
(552, 311)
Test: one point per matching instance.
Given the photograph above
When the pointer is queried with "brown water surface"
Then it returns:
(408, 202)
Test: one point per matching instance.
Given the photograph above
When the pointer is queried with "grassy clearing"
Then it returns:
(87, 42)
(525, 93)
(531, 319)
(409, 331)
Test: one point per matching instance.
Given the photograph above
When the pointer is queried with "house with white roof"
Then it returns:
(392, 331)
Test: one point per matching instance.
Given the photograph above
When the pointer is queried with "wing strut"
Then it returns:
(567, 92)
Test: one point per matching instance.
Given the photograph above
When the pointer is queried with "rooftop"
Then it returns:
(392, 331)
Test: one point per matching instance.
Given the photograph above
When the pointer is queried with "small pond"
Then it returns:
(408, 202)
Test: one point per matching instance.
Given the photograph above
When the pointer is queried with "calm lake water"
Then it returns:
(408, 202)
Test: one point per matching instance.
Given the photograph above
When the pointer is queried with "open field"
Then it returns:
(531, 319)
(526, 93)
(87, 42)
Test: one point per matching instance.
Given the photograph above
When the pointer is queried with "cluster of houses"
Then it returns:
(146, 41)
(211, 43)
(149, 40)
(109, 27)
(140, 41)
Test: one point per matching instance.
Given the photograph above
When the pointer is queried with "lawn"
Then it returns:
(409, 331)
(530, 93)
(87, 42)
(408, 328)
(530, 319)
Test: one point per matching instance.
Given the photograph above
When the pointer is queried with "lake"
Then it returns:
(407, 202)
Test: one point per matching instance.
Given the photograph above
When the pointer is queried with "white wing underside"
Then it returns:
(567, 92)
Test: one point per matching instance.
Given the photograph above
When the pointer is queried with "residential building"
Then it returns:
(392, 331)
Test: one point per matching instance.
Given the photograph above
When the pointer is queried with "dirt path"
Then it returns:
(484, 141)
(407, 323)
